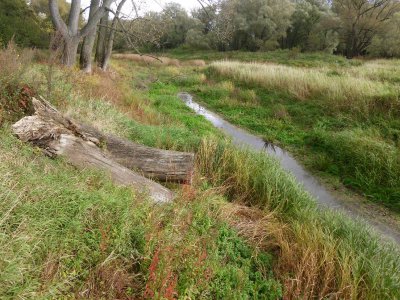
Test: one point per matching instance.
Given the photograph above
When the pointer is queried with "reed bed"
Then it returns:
(334, 90)
(320, 254)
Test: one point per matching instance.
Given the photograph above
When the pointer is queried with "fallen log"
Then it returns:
(163, 165)
(59, 136)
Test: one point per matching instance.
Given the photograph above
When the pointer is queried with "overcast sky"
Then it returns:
(155, 5)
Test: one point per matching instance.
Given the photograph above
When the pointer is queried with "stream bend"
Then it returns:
(324, 198)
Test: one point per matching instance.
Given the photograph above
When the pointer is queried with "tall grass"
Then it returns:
(77, 235)
(63, 231)
(320, 254)
(14, 62)
(363, 160)
(359, 95)
(286, 57)
(73, 234)
(385, 70)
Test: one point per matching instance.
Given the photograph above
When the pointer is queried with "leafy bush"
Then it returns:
(14, 94)
(19, 22)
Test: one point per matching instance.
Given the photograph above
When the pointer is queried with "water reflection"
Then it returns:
(324, 198)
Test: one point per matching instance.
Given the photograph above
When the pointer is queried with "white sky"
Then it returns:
(154, 5)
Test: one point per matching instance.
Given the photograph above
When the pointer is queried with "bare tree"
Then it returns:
(110, 39)
(362, 19)
(88, 42)
(101, 39)
(135, 30)
(71, 32)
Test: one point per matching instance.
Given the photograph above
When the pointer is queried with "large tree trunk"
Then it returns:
(101, 40)
(88, 42)
(70, 51)
(59, 136)
(163, 165)
(71, 32)
(110, 40)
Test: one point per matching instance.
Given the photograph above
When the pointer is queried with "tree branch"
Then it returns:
(58, 22)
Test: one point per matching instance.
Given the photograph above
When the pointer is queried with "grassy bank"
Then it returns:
(285, 57)
(348, 120)
(244, 229)
(319, 253)
(67, 233)
(342, 121)
(70, 233)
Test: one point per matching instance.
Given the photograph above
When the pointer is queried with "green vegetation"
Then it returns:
(70, 233)
(19, 22)
(348, 27)
(284, 57)
(341, 120)
(336, 91)
(65, 232)
(244, 229)
(312, 245)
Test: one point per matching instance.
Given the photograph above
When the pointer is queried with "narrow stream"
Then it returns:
(324, 198)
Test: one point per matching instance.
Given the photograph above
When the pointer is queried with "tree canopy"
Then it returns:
(19, 22)
(348, 27)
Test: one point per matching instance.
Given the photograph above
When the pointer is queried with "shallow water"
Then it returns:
(324, 198)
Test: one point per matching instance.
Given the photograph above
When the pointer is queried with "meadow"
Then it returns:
(340, 119)
(245, 229)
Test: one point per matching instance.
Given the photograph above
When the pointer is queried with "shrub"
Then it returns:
(14, 94)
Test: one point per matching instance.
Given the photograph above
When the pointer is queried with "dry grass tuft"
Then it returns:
(113, 90)
(258, 227)
(308, 264)
(150, 60)
(334, 90)
(112, 280)
(14, 63)
(195, 63)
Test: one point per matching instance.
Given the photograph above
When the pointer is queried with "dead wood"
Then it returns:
(82, 147)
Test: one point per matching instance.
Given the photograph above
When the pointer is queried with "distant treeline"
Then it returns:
(347, 27)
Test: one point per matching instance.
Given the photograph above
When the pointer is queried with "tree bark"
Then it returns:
(110, 40)
(163, 165)
(70, 50)
(101, 40)
(71, 32)
(59, 136)
(88, 42)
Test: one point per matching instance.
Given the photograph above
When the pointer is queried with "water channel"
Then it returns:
(323, 196)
